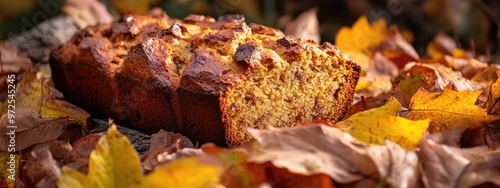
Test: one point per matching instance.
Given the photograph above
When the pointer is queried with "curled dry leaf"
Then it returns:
(139, 140)
(30, 125)
(10, 63)
(445, 75)
(235, 164)
(41, 168)
(132, 6)
(166, 147)
(474, 137)
(162, 155)
(319, 149)
(492, 136)
(60, 150)
(469, 67)
(79, 155)
(375, 85)
(492, 105)
(282, 177)
(432, 77)
(376, 125)
(445, 166)
(47, 101)
(168, 139)
(396, 48)
(306, 26)
(487, 75)
(86, 12)
(449, 109)
(440, 46)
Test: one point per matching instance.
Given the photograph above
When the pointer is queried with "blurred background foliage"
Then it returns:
(472, 23)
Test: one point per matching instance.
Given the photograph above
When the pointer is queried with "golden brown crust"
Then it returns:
(152, 72)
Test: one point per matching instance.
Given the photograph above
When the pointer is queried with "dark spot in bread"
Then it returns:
(244, 53)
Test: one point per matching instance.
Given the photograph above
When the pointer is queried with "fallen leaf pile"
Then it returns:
(428, 120)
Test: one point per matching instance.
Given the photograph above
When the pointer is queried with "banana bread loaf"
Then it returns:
(207, 79)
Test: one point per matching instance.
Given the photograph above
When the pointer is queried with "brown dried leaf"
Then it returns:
(162, 155)
(362, 35)
(368, 103)
(47, 101)
(410, 81)
(487, 75)
(306, 26)
(450, 137)
(492, 105)
(80, 154)
(167, 139)
(86, 12)
(396, 48)
(11, 62)
(432, 77)
(41, 168)
(31, 128)
(379, 84)
(381, 65)
(492, 136)
(60, 150)
(166, 147)
(318, 149)
(445, 166)
(441, 45)
(282, 177)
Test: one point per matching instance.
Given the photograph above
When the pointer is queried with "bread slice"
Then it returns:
(206, 79)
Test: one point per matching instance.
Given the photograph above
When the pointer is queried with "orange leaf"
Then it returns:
(361, 35)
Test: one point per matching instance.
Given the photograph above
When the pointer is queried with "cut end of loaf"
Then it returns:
(290, 81)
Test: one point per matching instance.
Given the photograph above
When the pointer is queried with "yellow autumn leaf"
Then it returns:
(361, 35)
(376, 125)
(115, 163)
(449, 109)
(493, 103)
(47, 101)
